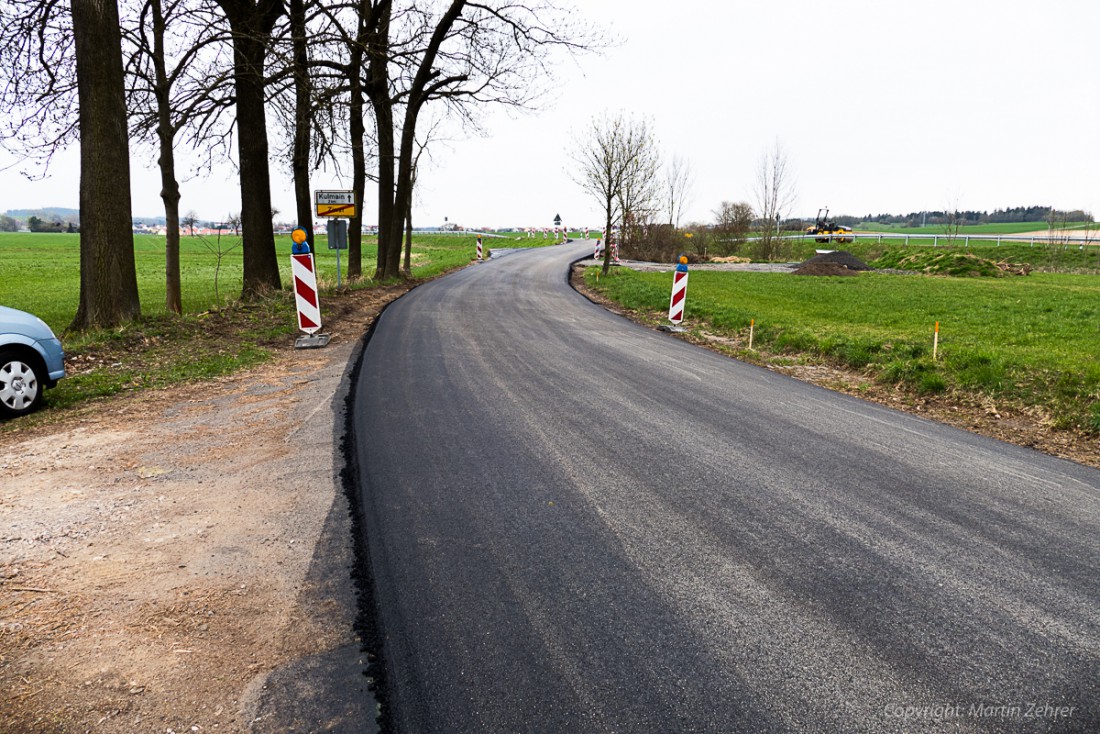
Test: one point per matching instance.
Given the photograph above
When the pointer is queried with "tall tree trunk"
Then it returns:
(251, 22)
(378, 92)
(409, 229)
(389, 255)
(358, 130)
(389, 225)
(169, 186)
(402, 197)
(302, 120)
(108, 276)
(607, 241)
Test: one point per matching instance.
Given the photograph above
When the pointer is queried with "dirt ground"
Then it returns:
(178, 560)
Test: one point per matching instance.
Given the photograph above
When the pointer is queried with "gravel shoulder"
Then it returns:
(178, 560)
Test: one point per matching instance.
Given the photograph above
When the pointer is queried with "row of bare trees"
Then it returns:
(619, 166)
(343, 80)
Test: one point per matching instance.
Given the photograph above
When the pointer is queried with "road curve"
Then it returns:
(577, 524)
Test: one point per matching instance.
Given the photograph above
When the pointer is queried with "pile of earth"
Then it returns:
(961, 265)
(837, 262)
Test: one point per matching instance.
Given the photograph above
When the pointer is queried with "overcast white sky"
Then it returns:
(880, 106)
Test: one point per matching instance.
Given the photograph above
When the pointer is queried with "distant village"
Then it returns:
(60, 220)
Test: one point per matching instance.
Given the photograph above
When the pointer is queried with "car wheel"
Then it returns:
(20, 385)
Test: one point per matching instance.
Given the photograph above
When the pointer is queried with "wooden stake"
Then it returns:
(752, 328)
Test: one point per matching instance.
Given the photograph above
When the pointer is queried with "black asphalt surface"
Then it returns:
(577, 524)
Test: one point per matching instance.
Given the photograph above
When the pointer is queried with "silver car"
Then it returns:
(31, 359)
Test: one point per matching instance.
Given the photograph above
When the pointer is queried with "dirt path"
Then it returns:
(178, 560)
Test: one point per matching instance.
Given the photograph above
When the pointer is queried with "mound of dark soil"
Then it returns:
(838, 257)
(824, 269)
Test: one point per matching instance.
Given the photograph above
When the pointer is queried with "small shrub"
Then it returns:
(978, 370)
(856, 354)
(956, 264)
(796, 341)
(931, 382)
(917, 374)
(1093, 422)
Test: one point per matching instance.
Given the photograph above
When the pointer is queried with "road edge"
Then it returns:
(368, 620)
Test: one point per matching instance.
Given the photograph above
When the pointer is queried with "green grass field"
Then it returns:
(41, 272)
(216, 335)
(1033, 340)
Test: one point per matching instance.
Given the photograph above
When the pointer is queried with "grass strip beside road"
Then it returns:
(1029, 341)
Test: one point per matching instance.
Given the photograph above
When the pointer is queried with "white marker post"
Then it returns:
(936, 342)
(479, 257)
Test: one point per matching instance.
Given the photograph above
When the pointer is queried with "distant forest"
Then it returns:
(997, 216)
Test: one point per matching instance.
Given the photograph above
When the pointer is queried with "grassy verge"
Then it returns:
(1031, 341)
(216, 335)
(885, 252)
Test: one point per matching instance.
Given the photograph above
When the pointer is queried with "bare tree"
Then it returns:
(678, 182)
(421, 149)
(38, 82)
(1058, 228)
(952, 219)
(61, 80)
(775, 195)
(108, 275)
(348, 59)
(616, 164)
(251, 22)
(640, 190)
(732, 222)
(190, 219)
(303, 118)
(468, 54)
(175, 82)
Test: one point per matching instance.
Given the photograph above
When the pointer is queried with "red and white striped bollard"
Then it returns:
(679, 293)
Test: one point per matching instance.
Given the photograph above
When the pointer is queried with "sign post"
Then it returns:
(337, 240)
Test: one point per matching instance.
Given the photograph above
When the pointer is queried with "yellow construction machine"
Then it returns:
(826, 231)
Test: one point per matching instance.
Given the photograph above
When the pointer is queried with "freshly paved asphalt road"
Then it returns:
(577, 524)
